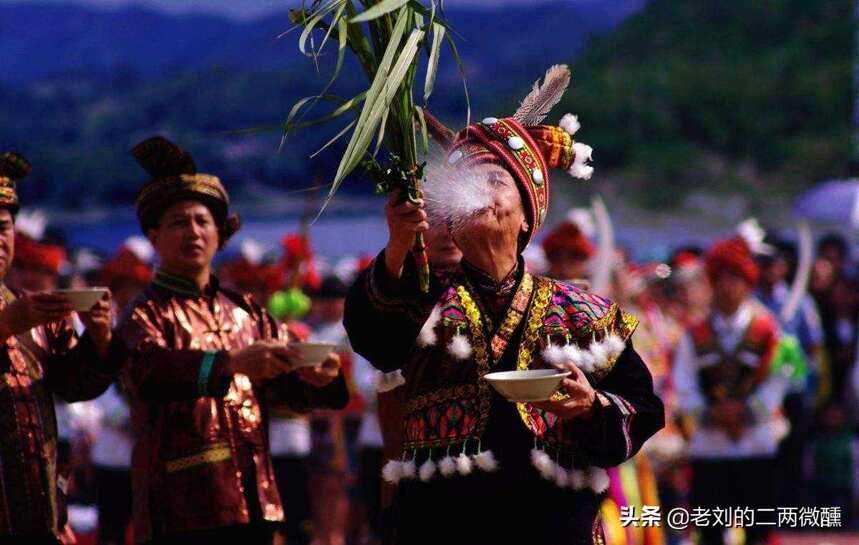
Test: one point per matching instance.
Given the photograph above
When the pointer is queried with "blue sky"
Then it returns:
(238, 8)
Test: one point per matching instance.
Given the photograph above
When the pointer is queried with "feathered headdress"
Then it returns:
(737, 254)
(522, 144)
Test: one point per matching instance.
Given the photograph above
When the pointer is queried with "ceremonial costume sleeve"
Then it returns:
(157, 372)
(383, 317)
(684, 376)
(616, 432)
(73, 370)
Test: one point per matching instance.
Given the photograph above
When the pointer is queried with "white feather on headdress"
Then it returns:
(140, 247)
(753, 234)
(543, 96)
(583, 218)
(32, 223)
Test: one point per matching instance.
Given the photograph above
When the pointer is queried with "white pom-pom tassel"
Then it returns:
(562, 478)
(570, 123)
(580, 168)
(578, 479)
(459, 347)
(427, 336)
(555, 355)
(598, 479)
(447, 466)
(543, 463)
(392, 472)
(409, 470)
(582, 359)
(463, 464)
(486, 461)
(600, 353)
(615, 345)
(427, 470)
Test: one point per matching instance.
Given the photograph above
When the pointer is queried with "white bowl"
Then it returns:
(83, 299)
(528, 385)
(313, 353)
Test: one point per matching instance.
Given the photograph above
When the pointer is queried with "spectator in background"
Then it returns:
(805, 326)
(689, 284)
(834, 248)
(724, 381)
(127, 274)
(839, 314)
(831, 458)
(568, 247)
(335, 434)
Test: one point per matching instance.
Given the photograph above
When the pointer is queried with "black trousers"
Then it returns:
(293, 483)
(370, 461)
(746, 482)
(113, 499)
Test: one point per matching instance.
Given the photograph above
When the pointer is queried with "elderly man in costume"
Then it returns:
(42, 356)
(202, 359)
(727, 382)
(476, 468)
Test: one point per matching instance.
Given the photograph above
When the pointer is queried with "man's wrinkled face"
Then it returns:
(186, 238)
(503, 221)
(7, 241)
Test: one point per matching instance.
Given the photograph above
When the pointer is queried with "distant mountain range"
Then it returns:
(81, 85)
(52, 39)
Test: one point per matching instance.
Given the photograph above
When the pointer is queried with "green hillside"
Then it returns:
(720, 95)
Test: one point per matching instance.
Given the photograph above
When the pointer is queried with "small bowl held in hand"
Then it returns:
(529, 385)
(313, 354)
(83, 300)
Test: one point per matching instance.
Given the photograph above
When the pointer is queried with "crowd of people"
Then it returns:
(185, 414)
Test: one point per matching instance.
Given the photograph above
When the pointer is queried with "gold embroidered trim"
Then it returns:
(517, 310)
(218, 453)
(481, 355)
(532, 334)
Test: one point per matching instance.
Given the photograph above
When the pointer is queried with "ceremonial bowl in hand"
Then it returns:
(83, 300)
(527, 386)
(313, 353)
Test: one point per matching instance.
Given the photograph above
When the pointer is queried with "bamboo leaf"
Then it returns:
(438, 33)
(424, 133)
(378, 10)
(380, 137)
(429, 13)
(376, 88)
(461, 68)
(336, 137)
(311, 23)
(365, 129)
